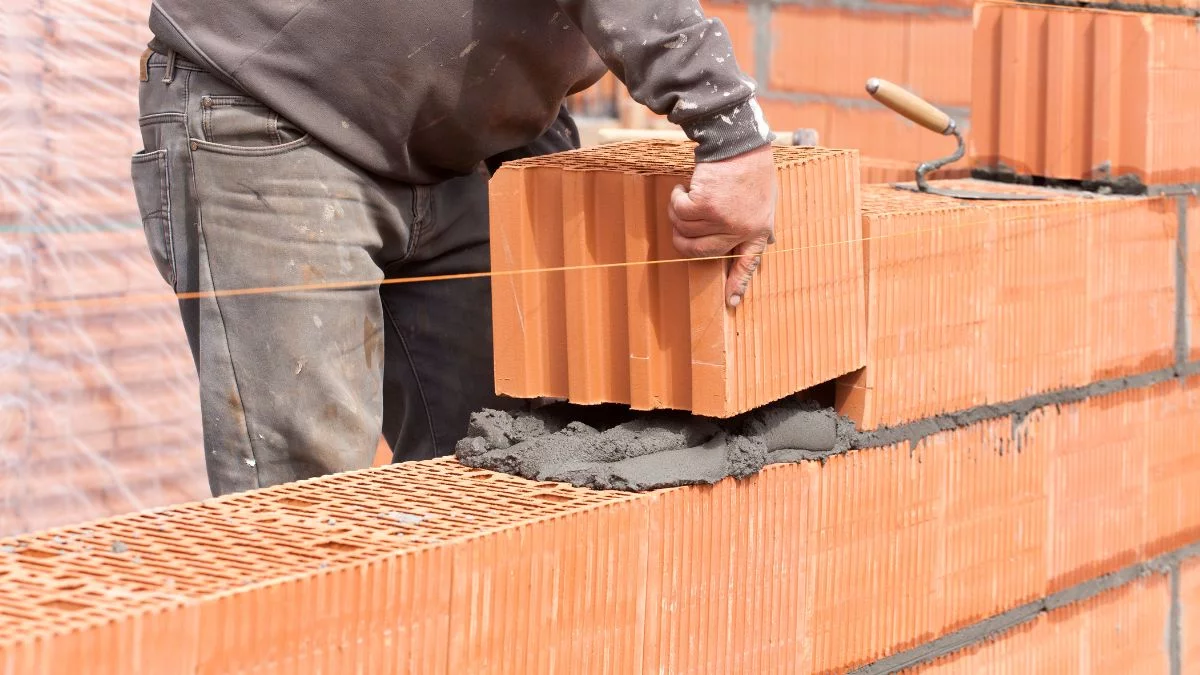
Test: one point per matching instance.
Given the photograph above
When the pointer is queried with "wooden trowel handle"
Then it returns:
(910, 105)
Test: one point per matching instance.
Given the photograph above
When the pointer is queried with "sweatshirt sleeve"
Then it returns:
(678, 63)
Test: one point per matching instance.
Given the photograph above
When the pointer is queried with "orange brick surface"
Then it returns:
(807, 567)
(1119, 631)
(964, 308)
(1189, 605)
(833, 52)
(624, 324)
(1114, 90)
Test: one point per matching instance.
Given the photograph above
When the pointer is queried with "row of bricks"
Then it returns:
(810, 567)
(1085, 94)
(617, 328)
(972, 303)
(969, 303)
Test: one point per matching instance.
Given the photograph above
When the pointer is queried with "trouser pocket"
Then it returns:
(152, 188)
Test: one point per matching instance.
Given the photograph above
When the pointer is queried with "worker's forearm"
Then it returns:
(678, 63)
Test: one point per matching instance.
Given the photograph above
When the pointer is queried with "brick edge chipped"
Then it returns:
(1168, 563)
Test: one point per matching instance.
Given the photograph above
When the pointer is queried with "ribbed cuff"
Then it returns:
(730, 132)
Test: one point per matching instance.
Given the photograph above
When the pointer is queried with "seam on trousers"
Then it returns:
(416, 376)
(187, 98)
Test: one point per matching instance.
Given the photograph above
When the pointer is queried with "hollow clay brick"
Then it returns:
(1173, 467)
(833, 52)
(717, 581)
(962, 304)
(1085, 93)
(677, 346)
(1118, 631)
(1096, 484)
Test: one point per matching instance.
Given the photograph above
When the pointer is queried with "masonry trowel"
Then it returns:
(929, 116)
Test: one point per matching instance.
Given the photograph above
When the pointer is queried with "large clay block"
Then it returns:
(978, 302)
(1085, 94)
(1118, 631)
(623, 318)
(1173, 467)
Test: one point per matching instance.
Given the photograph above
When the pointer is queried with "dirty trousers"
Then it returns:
(301, 371)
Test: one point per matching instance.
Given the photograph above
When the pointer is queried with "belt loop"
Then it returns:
(170, 76)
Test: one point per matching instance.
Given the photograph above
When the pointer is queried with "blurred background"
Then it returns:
(99, 411)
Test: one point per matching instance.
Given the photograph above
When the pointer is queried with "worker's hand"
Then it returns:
(729, 209)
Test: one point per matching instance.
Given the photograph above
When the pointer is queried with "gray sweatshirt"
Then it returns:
(424, 90)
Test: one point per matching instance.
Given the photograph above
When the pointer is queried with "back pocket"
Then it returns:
(151, 186)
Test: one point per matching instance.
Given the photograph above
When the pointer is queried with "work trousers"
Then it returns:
(308, 337)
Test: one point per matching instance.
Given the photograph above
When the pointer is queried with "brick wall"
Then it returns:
(1019, 494)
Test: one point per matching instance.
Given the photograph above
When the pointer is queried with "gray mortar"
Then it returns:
(760, 17)
(993, 626)
(612, 448)
(622, 451)
(1125, 184)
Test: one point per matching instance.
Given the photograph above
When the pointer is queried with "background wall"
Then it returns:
(812, 60)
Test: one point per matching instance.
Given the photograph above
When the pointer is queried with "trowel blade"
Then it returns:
(967, 194)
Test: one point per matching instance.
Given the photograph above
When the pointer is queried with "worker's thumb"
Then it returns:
(749, 256)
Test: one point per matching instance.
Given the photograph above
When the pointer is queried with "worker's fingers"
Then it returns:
(743, 269)
(702, 247)
(683, 208)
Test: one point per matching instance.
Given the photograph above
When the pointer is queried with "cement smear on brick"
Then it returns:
(622, 450)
